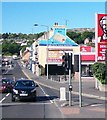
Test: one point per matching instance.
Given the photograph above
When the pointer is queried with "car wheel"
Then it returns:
(33, 99)
(13, 99)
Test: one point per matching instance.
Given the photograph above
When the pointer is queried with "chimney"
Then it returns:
(56, 23)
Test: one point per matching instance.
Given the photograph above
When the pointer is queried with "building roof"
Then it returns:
(58, 38)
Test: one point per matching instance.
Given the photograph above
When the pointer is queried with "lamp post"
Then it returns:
(33, 53)
(47, 36)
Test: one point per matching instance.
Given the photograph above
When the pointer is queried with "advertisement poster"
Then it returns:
(101, 36)
(55, 56)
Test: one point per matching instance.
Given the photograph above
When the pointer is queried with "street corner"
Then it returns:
(83, 112)
(70, 110)
(74, 111)
(64, 107)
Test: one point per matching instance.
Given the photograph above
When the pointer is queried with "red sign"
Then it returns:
(88, 57)
(85, 48)
(102, 47)
(101, 36)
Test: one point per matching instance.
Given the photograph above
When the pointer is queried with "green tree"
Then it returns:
(5, 35)
(29, 43)
(10, 47)
(99, 70)
(5, 46)
(79, 37)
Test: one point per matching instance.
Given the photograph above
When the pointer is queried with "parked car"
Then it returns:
(24, 89)
(6, 85)
(14, 57)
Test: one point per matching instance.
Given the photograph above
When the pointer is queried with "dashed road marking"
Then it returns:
(4, 97)
(7, 94)
(2, 100)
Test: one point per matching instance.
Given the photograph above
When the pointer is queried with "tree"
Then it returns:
(99, 70)
(5, 35)
(79, 37)
(29, 43)
(10, 47)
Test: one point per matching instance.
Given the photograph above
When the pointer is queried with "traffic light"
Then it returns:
(65, 59)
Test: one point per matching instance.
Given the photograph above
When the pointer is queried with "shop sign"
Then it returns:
(102, 47)
(101, 36)
(85, 48)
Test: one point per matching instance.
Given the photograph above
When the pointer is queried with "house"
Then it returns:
(26, 57)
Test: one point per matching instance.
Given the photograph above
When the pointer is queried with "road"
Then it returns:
(45, 106)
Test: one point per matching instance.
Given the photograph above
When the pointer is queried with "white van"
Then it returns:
(14, 57)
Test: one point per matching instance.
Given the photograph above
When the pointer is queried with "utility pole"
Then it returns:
(47, 37)
(70, 85)
(80, 82)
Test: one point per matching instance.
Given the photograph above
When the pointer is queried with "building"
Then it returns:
(48, 50)
(25, 57)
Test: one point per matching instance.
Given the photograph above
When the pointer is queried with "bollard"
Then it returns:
(62, 93)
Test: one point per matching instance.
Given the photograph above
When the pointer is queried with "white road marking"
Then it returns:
(39, 86)
(73, 92)
(94, 105)
(45, 93)
(22, 103)
(4, 97)
(7, 94)
(2, 100)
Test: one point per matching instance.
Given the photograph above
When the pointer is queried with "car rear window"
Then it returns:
(24, 84)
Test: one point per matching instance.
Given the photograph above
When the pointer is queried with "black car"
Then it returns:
(6, 85)
(24, 89)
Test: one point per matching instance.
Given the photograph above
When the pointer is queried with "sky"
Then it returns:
(20, 17)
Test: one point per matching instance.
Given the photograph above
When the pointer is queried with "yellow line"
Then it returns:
(76, 93)
(26, 74)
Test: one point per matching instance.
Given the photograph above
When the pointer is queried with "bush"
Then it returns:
(99, 71)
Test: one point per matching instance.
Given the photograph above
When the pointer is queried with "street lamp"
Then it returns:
(47, 36)
(32, 27)
(33, 53)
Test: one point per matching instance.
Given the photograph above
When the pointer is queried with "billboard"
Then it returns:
(101, 36)
(55, 56)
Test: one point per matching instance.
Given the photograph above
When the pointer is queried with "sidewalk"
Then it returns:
(93, 109)
(88, 86)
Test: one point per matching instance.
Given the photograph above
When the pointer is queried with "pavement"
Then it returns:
(95, 110)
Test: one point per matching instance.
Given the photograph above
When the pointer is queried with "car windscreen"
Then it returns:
(6, 81)
(24, 84)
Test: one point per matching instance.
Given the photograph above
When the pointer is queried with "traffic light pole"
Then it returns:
(70, 85)
(80, 82)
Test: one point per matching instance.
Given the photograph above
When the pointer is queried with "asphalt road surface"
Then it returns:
(44, 106)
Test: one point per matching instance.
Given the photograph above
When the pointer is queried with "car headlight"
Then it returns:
(33, 90)
(15, 91)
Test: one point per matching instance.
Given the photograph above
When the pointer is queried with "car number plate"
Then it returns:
(23, 94)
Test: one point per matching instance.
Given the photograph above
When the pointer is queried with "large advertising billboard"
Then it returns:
(101, 36)
(55, 56)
